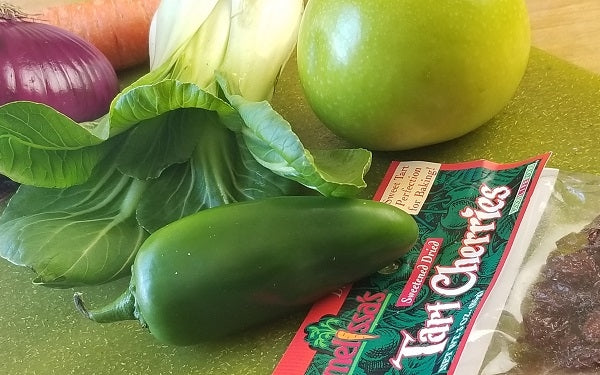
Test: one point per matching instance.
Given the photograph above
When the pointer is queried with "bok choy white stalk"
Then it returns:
(248, 42)
(196, 131)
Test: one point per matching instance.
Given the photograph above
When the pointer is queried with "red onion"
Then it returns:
(46, 64)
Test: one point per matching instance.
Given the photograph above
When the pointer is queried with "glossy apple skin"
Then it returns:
(399, 74)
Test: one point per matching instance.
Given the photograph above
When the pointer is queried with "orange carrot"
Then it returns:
(353, 336)
(118, 28)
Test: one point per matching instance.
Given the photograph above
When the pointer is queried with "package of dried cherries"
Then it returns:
(502, 280)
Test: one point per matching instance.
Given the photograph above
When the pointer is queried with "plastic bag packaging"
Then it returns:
(550, 323)
(432, 311)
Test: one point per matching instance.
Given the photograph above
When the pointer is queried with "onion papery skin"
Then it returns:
(46, 64)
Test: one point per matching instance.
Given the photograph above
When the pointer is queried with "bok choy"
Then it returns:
(196, 131)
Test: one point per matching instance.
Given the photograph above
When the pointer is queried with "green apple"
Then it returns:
(399, 74)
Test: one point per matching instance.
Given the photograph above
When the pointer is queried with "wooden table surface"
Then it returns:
(569, 29)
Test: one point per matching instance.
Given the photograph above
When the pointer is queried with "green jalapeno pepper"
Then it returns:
(227, 268)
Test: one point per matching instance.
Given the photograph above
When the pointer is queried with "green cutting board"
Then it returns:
(557, 108)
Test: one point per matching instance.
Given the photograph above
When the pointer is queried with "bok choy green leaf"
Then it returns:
(85, 234)
(197, 131)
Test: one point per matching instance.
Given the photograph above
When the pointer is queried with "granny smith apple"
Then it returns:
(399, 74)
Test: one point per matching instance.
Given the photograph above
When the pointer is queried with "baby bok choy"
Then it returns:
(196, 131)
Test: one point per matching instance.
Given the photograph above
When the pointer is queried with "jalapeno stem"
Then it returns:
(123, 308)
